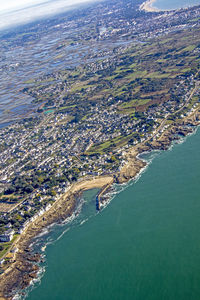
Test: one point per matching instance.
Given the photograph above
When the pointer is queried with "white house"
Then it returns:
(7, 236)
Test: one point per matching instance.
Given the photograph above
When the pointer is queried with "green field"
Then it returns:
(6, 246)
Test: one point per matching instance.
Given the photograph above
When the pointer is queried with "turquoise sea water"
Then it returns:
(145, 245)
(174, 4)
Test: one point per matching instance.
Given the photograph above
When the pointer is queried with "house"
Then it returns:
(27, 208)
(21, 229)
(7, 236)
(9, 225)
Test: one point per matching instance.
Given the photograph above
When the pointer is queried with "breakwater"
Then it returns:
(99, 196)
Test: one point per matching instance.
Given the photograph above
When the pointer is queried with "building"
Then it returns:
(7, 236)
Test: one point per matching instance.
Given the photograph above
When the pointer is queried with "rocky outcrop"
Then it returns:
(131, 170)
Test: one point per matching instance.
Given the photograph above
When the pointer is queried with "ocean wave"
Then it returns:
(150, 155)
(83, 221)
(142, 171)
(60, 236)
(182, 140)
(33, 284)
(50, 228)
(44, 232)
(116, 189)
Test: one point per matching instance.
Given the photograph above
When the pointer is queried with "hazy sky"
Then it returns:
(10, 5)
(14, 12)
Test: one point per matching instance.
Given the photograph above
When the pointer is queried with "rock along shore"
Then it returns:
(25, 268)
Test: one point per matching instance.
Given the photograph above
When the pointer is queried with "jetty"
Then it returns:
(100, 194)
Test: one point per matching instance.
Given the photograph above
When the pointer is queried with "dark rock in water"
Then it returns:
(34, 258)
(27, 250)
(183, 133)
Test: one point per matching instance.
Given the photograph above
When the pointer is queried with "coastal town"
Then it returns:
(88, 119)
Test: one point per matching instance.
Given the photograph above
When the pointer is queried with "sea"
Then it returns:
(174, 4)
(145, 244)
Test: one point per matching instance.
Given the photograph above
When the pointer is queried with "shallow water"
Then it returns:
(174, 4)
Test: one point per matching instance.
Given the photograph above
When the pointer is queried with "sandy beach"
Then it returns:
(148, 6)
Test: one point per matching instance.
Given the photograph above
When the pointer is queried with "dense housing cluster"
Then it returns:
(88, 115)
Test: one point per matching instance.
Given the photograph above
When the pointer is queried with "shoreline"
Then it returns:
(148, 6)
(24, 268)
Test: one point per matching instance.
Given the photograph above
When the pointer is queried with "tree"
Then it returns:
(53, 193)
(28, 189)
(113, 159)
(10, 190)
